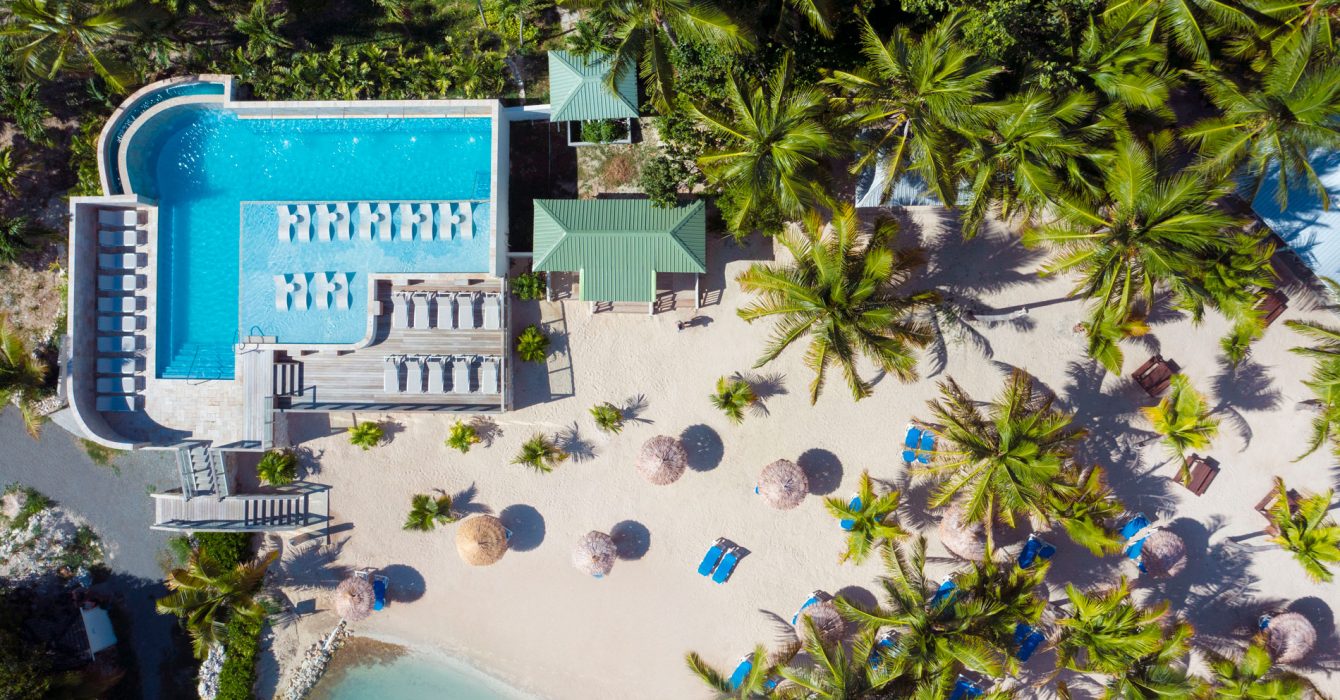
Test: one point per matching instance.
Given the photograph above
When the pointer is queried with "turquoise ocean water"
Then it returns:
(412, 677)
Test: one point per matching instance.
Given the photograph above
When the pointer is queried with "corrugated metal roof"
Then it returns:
(618, 245)
(1306, 225)
(577, 90)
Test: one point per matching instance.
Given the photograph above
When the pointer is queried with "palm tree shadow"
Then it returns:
(570, 440)
(633, 409)
(1246, 387)
(463, 502)
(487, 429)
(764, 386)
(311, 565)
(949, 324)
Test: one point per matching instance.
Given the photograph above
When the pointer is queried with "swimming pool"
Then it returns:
(201, 162)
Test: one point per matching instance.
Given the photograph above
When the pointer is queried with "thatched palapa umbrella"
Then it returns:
(783, 484)
(353, 599)
(595, 554)
(827, 620)
(662, 460)
(1163, 554)
(481, 540)
(1290, 637)
(963, 540)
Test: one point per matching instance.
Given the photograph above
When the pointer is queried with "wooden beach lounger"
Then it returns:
(399, 310)
(1200, 474)
(119, 343)
(1272, 305)
(120, 305)
(1154, 375)
(119, 365)
(444, 308)
(119, 324)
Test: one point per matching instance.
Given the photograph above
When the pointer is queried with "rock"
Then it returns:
(314, 665)
(208, 687)
(12, 503)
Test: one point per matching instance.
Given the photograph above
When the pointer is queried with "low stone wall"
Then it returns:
(314, 664)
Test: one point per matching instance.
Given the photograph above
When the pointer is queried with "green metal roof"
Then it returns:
(577, 89)
(618, 245)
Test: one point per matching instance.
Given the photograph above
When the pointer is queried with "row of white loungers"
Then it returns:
(122, 317)
(332, 222)
(321, 290)
(426, 310)
(426, 374)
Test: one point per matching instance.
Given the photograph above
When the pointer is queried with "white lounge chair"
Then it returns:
(118, 385)
(341, 287)
(488, 376)
(435, 375)
(119, 261)
(119, 324)
(325, 221)
(443, 312)
(286, 221)
(465, 311)
(460, 375)
(391, 376)
(119, 305)
(414, 375)
(128, 218)
(382, 216)
(117, 404)
(118, 365)
(364, 212)
(284, 292)
(442, 223)
(492, 312)
(301, 295)
(321, 290)
(118, 239)
(302, 221)
(399, 310)
(118, 343)
(423, 219)
(408, 221)
(120, 283)
(464, 220)
(341, 221)
(422, 313)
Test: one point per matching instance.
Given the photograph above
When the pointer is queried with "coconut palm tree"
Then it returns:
(608, 417)
(774, 141)
(541, 454)
(1116, 59)
(22, 375)
(1254, 676)
(1106, 632)
(1270, 126)
(834, 673)
(50, 36)
(1008, 593)
(917, 94)
(206, 595)
(1083, 505)
(1298, 27)
(1188, 24)
(426, 512)
(1306, 531)
(1184, 419)
(872, 522)
(1159, 675)
(1152, 229)
(753, 686)
(732, 396)
(11, 169)
(462, 436)
(1001, 459)
(645, 31)
(1325, 337)
(1324, 383)
(842, 294)
(263, 27)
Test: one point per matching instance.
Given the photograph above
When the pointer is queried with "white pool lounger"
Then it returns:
(118, 239)
(444, 305)
(421, 303)
(460, 375)
(465, 219)
(414, 375)
(492, 312)
(465, 311)
(118, 343)
(435, 376)
(118, 385)
(399, 310)
(423, 218)
(120, 283)
(364, 211)
(302, 221)
(119, 217)
(301, 300)
(443, 221)
(119, 324)
(341, 221)
(488, 376)
(284, 290)
(117, 404)
(119, 305)
(382, 217)
(391, 376)
(120, 261)
(118, 365)
(325, 221)
(286, 221)
(341, 287)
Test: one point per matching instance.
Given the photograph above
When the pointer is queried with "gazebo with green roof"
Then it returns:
(579, 91)
(618, 246)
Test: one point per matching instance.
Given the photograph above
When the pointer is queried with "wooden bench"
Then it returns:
(1200, 474)
(1272, 305)
(1154, 375)
(1264, 507)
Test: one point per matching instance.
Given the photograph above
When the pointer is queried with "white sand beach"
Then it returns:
(535, 620)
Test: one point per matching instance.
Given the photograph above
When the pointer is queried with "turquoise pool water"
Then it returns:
(202, 162)
(141, 106)
(415, 677)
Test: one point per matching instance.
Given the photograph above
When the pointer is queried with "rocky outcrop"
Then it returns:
(314, 664)
(208, 686)
(49, 541)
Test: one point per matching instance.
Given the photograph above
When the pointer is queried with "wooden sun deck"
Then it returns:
(295, 507)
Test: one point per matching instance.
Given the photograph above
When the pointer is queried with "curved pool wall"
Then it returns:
(186, 145)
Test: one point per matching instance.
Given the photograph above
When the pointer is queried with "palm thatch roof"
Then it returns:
(353, 599)
(963, 540)
(1163, 554)
(783, 484)
(1290, 637)
(827, 621)
(595, 554)
(481, 540)
(662, 460)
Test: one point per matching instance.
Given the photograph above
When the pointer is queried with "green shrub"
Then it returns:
(604, 130)
(528, 286)
(227, 548)
(35, 503)
(242, 641)
(16, 237)
(99, 454)
(367, 435)
(532, 345)
(278, 467)
(462, 436)
(662, 178)
(84, 156)
(608, 417)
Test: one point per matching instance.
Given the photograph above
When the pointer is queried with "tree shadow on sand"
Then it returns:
(464, 502)
(704, 447)
(1246, 387)
(633, 409)
(526, 524)
(570, 440)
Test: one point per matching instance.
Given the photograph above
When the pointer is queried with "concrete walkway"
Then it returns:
(116, 503)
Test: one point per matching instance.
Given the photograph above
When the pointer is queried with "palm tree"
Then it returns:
(1254, 677)
(645, 31)
(462, 436)
(1083, 504)
(1106, 632)
(10, 172)
(1324, 382)
(835, 674)
(1116, 58)
(426, 512)
(753, 686)
(1153, 228)
(732, 396)
(15, 237)
(1008, 593)
(1298, 27)
(1271, 126)
(1188, 24)
(1184, 419)
(50, 36)
(1002, 461)
(541, 454)
(207, 595)
(873, 522)
(366, 435)
(263, 28)
(19, 103)
(22, 376)
(532, 345)
(1159, 675)
(608, 417)
(841, 293)
(1305, 530)
(775, 139)
(918, 94)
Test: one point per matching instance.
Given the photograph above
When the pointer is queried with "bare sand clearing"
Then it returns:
(535, 620)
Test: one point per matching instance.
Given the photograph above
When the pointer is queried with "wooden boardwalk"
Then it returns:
(300, 506)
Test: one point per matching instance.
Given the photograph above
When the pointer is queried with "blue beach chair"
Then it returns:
(927, 447)
(911, 442)
(1035, 548)
(1134, 551)
(712, 556)
(727, 565)
(815, 597)
(965, 689)
(884, 644)
(847, 523)
(945, 592)
(741, 672)
(1134, 525)
(379, 584)
(1028, 640)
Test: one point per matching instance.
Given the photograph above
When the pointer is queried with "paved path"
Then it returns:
(118, 507)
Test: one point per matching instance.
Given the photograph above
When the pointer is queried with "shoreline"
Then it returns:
(372, 649)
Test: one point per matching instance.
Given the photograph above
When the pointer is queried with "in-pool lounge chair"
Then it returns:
(119, 261)
(1028, 640)
(400, 310)
(381, 216)
(815, 598)
(464, 220)
(118, 239)
(727, 566)
(855, 504)
(325, 221)
(444, 309)
(391, 375)
(128, 218)
(117, 403)
(286, 222)
(284, 290)
(118, 385)
(423, 219)
(301, 296)
(120, 283)
(910, 443)
(492, 312)
(442, 224)
(965, 689)
(435, 375)
(118, 365)
(713, 556)
(460, 375)
(1035, 548)
(465, 311)
(414, 375)
(120, 305)
(119, 324)
(422, 313)
(340, 288)
(364, 211)
(302, 222)
(488, 376)
(341, 221)
(406, 219)
(113, 344)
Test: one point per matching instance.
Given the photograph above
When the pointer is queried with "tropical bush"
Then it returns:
(541, 454)
(228, 549)
(22, 376)
(608, 417)
(16, 237)
(426, 512)
(603, 130)
(528, 286)
(662, 178)
(241, 643)
(367, 435)
(462, 436)
(732, 396)
(532, 345)
(278, 467)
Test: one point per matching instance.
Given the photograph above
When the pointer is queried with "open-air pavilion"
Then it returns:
(579, 89)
